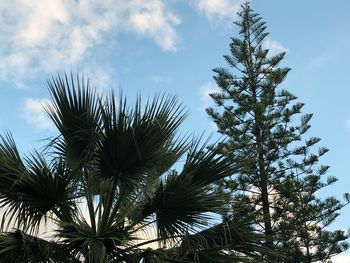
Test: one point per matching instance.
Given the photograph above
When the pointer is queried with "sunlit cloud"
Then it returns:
(40, 37)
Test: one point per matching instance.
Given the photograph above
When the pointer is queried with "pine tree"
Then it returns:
(276, 187)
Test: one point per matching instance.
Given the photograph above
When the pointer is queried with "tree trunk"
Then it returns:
(263, 176)
(265, 198)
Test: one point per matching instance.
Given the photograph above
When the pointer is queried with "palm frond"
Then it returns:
(12, 170)
(206, 166)
(135, 141)
(233, 241)
(80, 240)
(36, 191)
(19, 247)
(75, 112)
(180, 206)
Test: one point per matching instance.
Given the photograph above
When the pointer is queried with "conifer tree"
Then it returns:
(277, 186)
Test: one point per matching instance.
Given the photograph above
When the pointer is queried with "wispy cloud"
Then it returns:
(101, 79)
(273, 46)
(37, 36)
(160, 79)
(152, 19)
(318, 61)
(204, 92)
(207, 101)
(35, 115)
(221, 9)
(348, 123)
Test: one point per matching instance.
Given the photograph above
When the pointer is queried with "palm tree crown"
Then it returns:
(108, 187)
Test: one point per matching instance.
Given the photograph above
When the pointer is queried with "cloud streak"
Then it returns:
(35, 115)
(348, 123)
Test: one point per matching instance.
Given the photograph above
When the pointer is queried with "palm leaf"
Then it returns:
(181, 206)
(75, 112)
(19, 247)
(135, 141)
(36, 191)
(80, 240)
(206, 166)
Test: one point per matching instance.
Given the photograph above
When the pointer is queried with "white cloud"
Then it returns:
(341, 259)
(219, 8)
(34, 113)
(273, 46)
(204, 92)
(101, 79)
(152, 19)
(45, 36)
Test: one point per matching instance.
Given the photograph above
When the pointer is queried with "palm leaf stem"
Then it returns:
(116, 207)
(91, 212)
(107, 207)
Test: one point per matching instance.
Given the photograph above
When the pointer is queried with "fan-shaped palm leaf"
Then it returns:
(31, 189)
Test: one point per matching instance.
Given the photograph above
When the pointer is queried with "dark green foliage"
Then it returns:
(276, 188)
(107, 181)
(19, 247)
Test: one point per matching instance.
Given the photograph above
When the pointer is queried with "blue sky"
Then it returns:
(144, 46)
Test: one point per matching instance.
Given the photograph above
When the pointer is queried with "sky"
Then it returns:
(171, 46)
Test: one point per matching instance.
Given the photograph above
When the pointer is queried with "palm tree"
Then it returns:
(108, 186)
